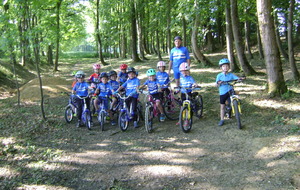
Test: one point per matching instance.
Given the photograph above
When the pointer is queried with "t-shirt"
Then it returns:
(131, 85)
(152, 86)
(179, 55)
(81, 88)
(104, 89)
(95, 78)
(224, 88)
(114, 84)
(162, 78)
(123, 77)
(186, 82)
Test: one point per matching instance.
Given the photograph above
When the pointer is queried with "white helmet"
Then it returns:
(161, 64)
(184, 66)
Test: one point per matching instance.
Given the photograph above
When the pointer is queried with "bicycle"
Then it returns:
(171, 106)
(102, 115)
(86, 114)
(125, 114)
(233, 104)
(70, 111)
(151, 111)
(191, 105)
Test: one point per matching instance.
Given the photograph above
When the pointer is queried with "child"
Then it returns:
(154, 90)
(163, 77)
(114, 84)
(131, 86)
(94, 78)
(104, 90)
(122, 75)
(224, 88)
(186, 81)
(80, 89)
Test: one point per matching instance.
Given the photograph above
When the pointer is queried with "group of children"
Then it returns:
(110, 83)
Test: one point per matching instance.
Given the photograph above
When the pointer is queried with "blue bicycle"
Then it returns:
(86, 114)
(70, 110)
(103, 114)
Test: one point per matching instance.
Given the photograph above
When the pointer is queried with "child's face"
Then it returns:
(152, 77)
(185, 73)
(123, 70)
(80, 79)
(225, 68)
(97, 70)
(177, 43)
(161, 68)
(113, 77)
(104, 80)
(131, 75)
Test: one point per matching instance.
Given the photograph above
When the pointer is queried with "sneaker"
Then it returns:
(113, 123)
(162, 117)
(221, 123)
(135, 124)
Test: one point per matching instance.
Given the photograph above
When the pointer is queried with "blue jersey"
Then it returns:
(131, 85)
(152, 86)
(114, 84)
(123, 77)
(162, 78)
(224, 88)
(186, 82)
(179, 55)
(104, 89)
(81, 88)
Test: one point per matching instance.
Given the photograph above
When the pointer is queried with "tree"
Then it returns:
(97, 31)
(135, 57)
(294, 69)
(276, 83)
(58, 5)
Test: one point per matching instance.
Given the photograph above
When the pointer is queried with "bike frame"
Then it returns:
(233, 96)
(84, 108)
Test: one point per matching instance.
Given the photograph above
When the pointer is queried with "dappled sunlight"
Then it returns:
(277, 105)
(159, 155)
(43, 165)
(161, 170)
(43, 187)
(8, 172)
(210, 70)
(8, 141)
(92, 156)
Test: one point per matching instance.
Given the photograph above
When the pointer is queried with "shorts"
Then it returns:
(157, 96)
(104, 101)
(224, 97)
(176, 73)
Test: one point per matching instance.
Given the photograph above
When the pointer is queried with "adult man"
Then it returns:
(178, 55)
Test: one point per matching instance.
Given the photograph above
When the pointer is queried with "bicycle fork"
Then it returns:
(239, 104)
(187, 103)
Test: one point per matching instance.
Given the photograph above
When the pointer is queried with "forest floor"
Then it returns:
(37, 154)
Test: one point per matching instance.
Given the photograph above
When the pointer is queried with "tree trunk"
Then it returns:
(140, 30)
(135, 57)
(157, 45)
(294, 69)
(169, 41)
(210, 40)
(98, 35)
(196, 50)
(276, 84)
(184, 42)
(50, 54)
(247, 36)
(260, 49)
(229, 39)
(278, 41)
(248, 70)
(58, 4)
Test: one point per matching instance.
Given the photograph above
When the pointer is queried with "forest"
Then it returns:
(43, 42)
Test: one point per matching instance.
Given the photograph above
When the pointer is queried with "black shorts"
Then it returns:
(157, 96)
(224, 97)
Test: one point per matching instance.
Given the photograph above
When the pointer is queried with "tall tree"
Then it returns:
(278, 40)
(58, 5)
(276, 83)
(135, 57)
(98, 36)
(294, 69)
(247, 68)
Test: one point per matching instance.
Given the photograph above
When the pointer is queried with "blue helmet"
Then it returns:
(224, 61)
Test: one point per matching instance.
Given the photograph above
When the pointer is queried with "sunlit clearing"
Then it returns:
(6, 172)
(162, 170)
(285, 145)
(276, 105)
(42, 187)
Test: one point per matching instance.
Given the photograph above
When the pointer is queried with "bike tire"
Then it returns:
(123, 122)
(101, 118)
(171, 109)
(199, 106)
(184, 122)
(87, 120)
(149, 119)
(237, 113)
(69, 114)
(92, 107)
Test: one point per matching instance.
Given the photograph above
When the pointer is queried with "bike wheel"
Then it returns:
(149, 119)
(237, 113)
(87, 120)
(123, 122)
(172, 109)
(185, 119)
(68, 114)
(199, 106)
(101, 119)
(92, 107)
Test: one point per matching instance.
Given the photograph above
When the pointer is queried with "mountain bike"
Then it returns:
(70, 110)
(233, 104)
(86, 114)
(191, 105)
(126, 113)
(151, 111)
(103, 114)
(171, 105)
